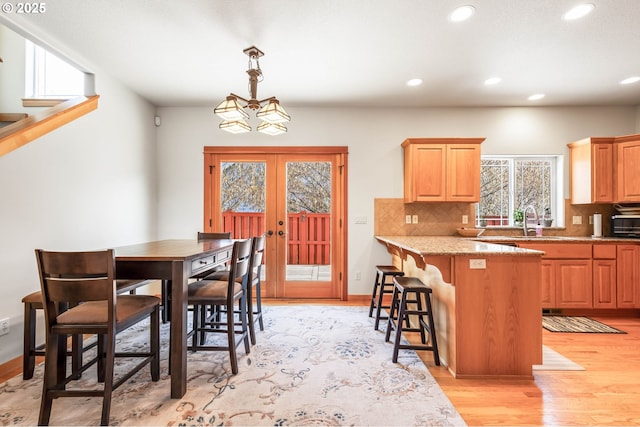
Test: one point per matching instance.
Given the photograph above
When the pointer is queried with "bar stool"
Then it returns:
(380, 288)
(403, 288)
(33, 302)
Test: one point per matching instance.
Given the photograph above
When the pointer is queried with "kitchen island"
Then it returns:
(486, 302)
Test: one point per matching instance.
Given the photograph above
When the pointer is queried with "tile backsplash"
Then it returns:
(442, 219)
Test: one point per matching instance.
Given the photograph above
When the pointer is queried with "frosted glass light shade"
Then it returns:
(235, 126)
(229, 109)
(271, 128)
(273, 113)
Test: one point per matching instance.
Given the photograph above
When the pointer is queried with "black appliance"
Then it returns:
(625, 226)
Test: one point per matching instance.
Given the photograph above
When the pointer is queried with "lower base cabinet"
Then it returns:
(628, 276)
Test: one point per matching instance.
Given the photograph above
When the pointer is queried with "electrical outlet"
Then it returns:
(4, 326)
(407, 219)
(358, 275)
(465, 219)
(477, 264)
(577, 220)
(414, 219)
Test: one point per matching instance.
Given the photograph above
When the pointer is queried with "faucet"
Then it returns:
(524, 222)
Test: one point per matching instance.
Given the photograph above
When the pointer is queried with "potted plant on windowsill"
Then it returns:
(518, 217)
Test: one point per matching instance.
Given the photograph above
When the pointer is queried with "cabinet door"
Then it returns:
(627, 176)
(602, 173)
(604, 283)
(591, 163)
(573, 283)
(547, 285)
(628, 271)
(428, 173)
(463, 173)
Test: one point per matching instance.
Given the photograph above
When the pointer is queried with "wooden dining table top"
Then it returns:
(170, 249)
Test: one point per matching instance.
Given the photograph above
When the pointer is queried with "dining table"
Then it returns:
(173, 262)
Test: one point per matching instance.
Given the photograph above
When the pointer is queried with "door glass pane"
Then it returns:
(308, 221)
(242, 199)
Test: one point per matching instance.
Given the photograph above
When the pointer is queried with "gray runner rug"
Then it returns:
(313, 365)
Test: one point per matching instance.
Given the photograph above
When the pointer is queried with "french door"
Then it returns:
(296, 196)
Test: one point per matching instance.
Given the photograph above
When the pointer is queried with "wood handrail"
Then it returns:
(24, 131)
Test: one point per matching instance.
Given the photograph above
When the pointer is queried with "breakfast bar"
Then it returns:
(486, 302)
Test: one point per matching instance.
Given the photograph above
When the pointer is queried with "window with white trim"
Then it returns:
(49, 77)
(509, 184)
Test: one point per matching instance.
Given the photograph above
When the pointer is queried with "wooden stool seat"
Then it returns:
(411, 290)
(380, 288)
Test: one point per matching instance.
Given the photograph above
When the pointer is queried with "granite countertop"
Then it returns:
(559, 239)
(451, 245)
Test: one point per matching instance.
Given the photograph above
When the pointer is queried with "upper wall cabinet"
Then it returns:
(591, 162)
(442, 169)
(627, 164)
(604, 170)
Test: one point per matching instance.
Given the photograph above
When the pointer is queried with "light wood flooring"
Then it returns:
(606, 393)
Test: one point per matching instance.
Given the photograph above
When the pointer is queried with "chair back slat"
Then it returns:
(257, 254)
(240, 258)
(213, 236)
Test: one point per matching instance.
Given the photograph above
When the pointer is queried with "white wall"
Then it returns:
(375, 157)
(88, 185)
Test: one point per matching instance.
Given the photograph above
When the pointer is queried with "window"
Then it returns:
(508, 184)
(47, 76)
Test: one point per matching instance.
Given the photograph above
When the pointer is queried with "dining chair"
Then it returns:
(223, 293)
(79, 297)
(254, 313)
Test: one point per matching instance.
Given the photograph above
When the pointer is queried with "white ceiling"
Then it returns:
(353, 52)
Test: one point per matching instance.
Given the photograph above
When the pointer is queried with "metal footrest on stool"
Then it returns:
(380, 288)
(411, 290)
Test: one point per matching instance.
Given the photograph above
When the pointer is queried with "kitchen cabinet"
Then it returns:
(442, 169)
(566, 279)
(628, 276)
(591, 174)
(627, 161)
(604, 276)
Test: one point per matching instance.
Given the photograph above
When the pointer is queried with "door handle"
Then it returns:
(270, 232)
(280, 233)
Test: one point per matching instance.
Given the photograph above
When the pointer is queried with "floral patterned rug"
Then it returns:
(312, 365)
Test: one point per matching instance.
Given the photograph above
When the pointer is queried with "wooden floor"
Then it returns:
(606, 393)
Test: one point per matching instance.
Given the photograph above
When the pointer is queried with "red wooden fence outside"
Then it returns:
(308, 234)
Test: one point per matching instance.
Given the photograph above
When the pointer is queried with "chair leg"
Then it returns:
(373, 294)
(379, 304)
(401, 309)
(29, 342)
(155, 344)
(108, 380)
(54, 372)
(243, 321)
(249, 298)
(259, 305)
(231, 340)
(394, 300)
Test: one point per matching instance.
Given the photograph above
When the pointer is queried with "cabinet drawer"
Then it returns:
(604, 251)
(203, 263)
(561, 250)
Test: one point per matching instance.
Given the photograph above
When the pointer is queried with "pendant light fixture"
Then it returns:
(270, 111)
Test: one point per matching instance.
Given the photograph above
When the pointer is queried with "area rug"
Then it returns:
(577, 324)
(313, 365)
(554, 361)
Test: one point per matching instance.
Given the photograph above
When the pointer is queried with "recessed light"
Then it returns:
(462, 13)
(578, 12)
(536, 97)
(492, 81)
(630, 80)
(414, 82)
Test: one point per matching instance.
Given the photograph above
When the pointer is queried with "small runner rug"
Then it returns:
(577, 324)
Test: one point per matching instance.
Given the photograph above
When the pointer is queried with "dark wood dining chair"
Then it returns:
(84, 281)
(254, 285)
(230, 294)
